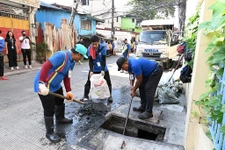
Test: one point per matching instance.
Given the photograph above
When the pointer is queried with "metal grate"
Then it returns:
(217, 136)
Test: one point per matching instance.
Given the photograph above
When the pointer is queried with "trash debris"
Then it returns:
(170, 92)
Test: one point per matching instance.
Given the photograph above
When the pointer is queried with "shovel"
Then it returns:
(64, 97)
(125, 126)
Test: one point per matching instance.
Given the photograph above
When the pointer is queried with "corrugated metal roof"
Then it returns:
(43, 4)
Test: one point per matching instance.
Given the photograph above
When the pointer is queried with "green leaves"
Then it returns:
(218, 57)
(218, 8)
(222, 129)
(223, 108)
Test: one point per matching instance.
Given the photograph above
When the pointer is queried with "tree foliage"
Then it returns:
(152, 9)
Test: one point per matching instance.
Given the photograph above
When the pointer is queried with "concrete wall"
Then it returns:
(195, 138)
(47, 16)
(202, 141)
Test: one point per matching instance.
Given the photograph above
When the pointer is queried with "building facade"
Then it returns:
(83, 23)
(18, 15)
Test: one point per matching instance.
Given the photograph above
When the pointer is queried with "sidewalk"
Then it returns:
(8, 72)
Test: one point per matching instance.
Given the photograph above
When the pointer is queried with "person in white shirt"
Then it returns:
(25, 46)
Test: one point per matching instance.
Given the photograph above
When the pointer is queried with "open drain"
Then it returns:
(134, 128)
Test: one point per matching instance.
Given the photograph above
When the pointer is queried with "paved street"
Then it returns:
(22, 125)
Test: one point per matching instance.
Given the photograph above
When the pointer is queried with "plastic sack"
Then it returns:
(99, 88)
(167, 94)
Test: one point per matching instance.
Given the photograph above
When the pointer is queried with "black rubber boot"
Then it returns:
(53, 137)
(140, 109)
(145, 115)
(59, 114)
(110, 99)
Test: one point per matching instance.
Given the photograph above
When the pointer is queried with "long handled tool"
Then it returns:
(125, 126)
(178, 63)
(64, 97)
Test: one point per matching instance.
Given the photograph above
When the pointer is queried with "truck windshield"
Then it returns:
(153, 37)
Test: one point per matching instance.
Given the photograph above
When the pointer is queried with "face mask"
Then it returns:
(24, 34)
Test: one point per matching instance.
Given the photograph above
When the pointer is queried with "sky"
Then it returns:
(121, 4)
(118, 3)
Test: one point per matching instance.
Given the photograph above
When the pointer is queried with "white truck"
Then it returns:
(158, 42)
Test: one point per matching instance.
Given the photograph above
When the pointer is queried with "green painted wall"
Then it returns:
(127, 24)
(138, 29)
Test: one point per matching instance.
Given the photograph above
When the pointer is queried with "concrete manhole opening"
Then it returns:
(134, 128)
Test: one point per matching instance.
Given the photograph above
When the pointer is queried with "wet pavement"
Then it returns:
(90, 115)
(22, 113)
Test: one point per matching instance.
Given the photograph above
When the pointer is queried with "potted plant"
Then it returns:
(41, 51)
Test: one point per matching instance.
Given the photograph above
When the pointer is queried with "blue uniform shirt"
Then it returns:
(126, 50)
(101, 51)
(142, 66)
(62, 61)
(2, 44)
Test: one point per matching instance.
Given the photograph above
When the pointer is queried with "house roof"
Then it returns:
(94, 18)
(66, 8)
(69, 9)
(43, 4)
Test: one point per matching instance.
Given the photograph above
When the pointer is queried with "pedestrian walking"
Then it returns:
(113, 47)
(125, 51)
(109, 51)
(81, 41)
(97, 65)
(25, 46)
(2, 45)
(11, 50)
(147, 74)
(56, 69)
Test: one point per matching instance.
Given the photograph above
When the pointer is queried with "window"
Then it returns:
(84, 2)
(117, 19)
(133, 20)
(86, 24)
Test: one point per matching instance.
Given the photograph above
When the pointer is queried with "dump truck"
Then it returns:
(158, 41)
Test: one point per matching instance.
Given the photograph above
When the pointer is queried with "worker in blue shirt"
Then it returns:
(2, 45)
(56, 69)
(147, 74)
(126, 51)
(97, 64)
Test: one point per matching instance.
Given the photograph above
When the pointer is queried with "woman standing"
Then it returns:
(11, 50)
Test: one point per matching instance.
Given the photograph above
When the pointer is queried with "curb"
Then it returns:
(20, 71)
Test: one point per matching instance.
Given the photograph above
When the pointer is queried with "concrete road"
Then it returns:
(21, 119)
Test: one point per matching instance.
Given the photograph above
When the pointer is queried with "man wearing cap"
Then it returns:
(97, 64)
(56, 69)
(147, 74)
(126, 51)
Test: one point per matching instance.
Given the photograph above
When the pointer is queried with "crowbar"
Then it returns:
(125, 126)
(64, 97)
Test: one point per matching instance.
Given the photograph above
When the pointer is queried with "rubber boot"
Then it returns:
(59, 114)
(53, 137)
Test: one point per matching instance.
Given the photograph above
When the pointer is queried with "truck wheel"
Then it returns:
(167, 64)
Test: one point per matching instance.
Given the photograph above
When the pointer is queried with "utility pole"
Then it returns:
(73, 12)
(72, 16)
(112, 27)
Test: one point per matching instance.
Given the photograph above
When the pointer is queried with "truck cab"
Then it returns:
(157, 42)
